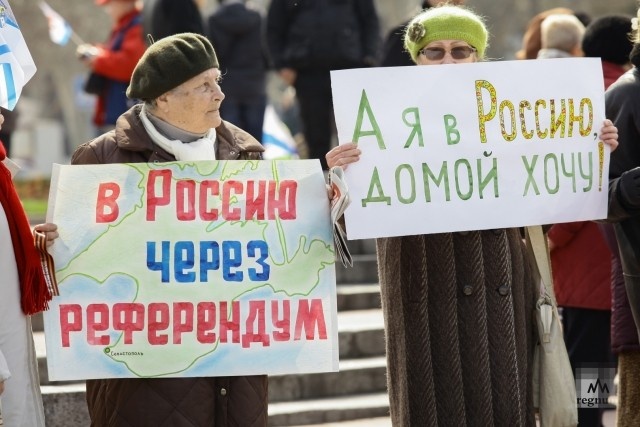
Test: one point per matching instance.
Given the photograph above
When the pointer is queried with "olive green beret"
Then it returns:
(168, 63)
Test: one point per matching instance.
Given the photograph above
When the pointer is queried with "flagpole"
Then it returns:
(76, 38)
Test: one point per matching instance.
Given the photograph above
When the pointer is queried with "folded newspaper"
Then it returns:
(339, 203)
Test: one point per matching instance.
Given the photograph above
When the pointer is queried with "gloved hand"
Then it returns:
(86, 51)
(629, 188)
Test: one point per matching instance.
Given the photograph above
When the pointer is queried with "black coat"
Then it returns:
(162, 18)
(323, 34)
(622, 101)
(236, 33)
(393, 52)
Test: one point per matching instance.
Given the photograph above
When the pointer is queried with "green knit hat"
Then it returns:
(168, 63)
(445, 23)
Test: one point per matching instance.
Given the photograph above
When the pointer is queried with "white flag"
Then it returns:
(59, 30)
(276, 137)
(16, 64)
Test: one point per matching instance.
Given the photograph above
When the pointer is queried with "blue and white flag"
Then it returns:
(276, 137)
(16, 64)
(59, 29)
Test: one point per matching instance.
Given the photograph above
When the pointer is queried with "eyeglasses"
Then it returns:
(437, 53)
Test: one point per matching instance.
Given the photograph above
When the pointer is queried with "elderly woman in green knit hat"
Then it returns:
(457, 306)
(446, 34)
(179, 119)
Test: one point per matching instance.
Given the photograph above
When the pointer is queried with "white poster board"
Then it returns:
(472, 146)
(191, 269)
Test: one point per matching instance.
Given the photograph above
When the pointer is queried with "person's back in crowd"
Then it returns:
(308, 39)
(162, 18)
(532, 37)
(561, 37)
(235, 31)
(608, 38)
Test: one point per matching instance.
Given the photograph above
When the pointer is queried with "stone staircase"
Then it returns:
(357, 391)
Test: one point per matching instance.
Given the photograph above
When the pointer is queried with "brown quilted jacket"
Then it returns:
(172, 402)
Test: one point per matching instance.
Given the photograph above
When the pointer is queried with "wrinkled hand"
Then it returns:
(609, 134)
(343, 155)
(49, 230)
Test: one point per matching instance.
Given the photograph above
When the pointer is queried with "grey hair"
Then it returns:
(151, 104)
(562, 32)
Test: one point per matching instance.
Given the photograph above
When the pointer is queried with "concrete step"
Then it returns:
(358, 390)
(331, 410)
(361, 296)
(360, 422)
(356, 376)
(363, 246)
(364, 270)
(608, 420)
(69, 409)
(361, 333)
(65, 405)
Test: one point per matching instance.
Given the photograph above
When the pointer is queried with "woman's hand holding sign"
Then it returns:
(343, 155)
(609, 134)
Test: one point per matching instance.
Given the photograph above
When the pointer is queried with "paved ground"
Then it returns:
(368, 422)
(608, 421)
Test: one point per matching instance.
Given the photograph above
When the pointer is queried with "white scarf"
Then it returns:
(201, 149)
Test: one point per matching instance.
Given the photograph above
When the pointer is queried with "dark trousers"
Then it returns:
(313, 92)
(248, 116)
(587, 334)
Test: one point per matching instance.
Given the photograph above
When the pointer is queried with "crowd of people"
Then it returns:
(174, 85)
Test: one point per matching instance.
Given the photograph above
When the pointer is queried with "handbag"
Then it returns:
(95, 84)
(554, 391)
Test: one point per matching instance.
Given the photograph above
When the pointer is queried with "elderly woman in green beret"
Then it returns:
(457, 306)
(177, 79)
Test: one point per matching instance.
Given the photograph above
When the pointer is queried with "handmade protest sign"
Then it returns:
(191, 269)
(472, 146)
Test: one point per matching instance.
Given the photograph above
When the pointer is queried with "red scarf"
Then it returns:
(33, 287)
